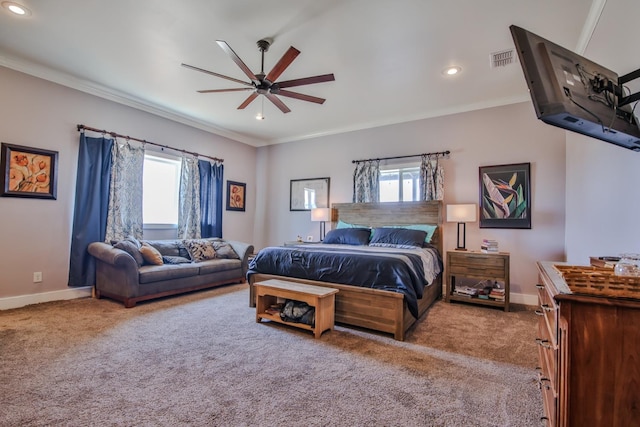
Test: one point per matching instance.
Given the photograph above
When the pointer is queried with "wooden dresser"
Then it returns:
(589, 351)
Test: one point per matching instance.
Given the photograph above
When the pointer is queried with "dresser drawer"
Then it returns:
(548, 311)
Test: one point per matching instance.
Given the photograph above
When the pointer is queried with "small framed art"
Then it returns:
(28, 172)
(505, 196)
(236, 196)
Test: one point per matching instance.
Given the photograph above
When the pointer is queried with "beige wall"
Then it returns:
(35, 234)
(501, 135)
(603, 200)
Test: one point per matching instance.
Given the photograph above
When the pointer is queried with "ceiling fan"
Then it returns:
(265, 84)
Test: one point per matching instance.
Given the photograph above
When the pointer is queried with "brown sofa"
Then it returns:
(121, 276)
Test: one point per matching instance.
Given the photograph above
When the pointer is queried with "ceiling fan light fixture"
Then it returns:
(452, 71)
(16, 9)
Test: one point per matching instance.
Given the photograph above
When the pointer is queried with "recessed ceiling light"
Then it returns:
(451, 71)
(16, 8)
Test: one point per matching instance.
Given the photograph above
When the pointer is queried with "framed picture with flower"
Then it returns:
(505, 196)
(28, 172)
(236, 195)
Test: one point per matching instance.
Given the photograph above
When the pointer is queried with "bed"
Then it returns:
(376, 309)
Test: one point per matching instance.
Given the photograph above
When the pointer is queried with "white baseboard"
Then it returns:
(22, 300)
(86, 291)
(525, 299)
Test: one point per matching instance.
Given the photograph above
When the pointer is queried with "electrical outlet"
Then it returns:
(37, 277)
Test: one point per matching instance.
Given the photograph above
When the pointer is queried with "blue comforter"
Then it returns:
(407, 271)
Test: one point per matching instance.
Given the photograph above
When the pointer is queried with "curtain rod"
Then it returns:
(439, 153)
(117, 135)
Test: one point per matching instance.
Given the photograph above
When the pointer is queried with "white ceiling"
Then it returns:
(387, 56)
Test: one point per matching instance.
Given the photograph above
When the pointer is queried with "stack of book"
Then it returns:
(497, 294)
(489, 246)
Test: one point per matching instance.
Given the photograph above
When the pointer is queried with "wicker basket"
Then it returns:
(599, 281)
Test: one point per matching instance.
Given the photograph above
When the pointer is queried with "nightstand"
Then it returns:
(478, 266)
(296, 243)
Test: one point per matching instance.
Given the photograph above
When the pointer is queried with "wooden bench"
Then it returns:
(322, 299)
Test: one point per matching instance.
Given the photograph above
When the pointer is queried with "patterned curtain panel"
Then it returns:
(189, 199)
(210, 198)
(366, 182)
(90, 210)
(125, 192)
(431, 179)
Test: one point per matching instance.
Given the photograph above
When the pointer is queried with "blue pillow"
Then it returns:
(348, 236)
(342, 224)
(398, 237)
(428, 228)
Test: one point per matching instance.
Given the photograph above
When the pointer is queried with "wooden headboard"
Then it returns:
(392, 213)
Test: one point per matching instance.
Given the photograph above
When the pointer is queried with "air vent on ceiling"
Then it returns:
(503, 58)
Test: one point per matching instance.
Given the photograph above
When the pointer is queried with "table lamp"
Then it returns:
(321, 215)
(461, 214)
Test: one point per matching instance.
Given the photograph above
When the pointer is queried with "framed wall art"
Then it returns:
(306, 194)
(28, 172)
(505, 196)
(236, 196)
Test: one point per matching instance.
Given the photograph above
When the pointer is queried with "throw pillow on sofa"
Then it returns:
(170, 259)
(150, 254)
(224, 250)
(200, 249)
(130, 245)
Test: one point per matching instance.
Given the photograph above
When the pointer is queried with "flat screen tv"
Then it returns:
(574, 93)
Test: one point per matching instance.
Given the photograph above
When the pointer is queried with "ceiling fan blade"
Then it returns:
(191, 67)
(301, 96)
(277, 102)
(225, 90)
(283, 63)
(307, 81)
(248, 101)
(235, 58)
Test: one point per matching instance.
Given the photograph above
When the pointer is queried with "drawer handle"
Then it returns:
(543, 343)
(546, 307)
(539, 286)
(539, 313)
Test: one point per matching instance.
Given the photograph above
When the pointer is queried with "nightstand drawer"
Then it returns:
(485, 264)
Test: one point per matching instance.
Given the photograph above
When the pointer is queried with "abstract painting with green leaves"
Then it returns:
(505, 196)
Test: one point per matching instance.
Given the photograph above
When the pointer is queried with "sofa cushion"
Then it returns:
(166, 247)
(150, 254)
(216, 265)
(168, 259)
(200, 249)
(156, 273)
(224, 250)
(130, 248)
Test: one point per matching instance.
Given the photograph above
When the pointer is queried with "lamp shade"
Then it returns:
(320, 214)
(461, 213)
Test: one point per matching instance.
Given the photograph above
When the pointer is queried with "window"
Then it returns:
(160, 186)
(400, 184)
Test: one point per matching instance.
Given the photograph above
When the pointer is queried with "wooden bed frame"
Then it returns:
(379, 310)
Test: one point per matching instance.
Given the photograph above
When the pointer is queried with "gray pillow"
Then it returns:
(168, 259)
(224, 250)
(133, 250)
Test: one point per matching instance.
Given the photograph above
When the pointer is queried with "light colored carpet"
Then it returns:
(201, 359)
